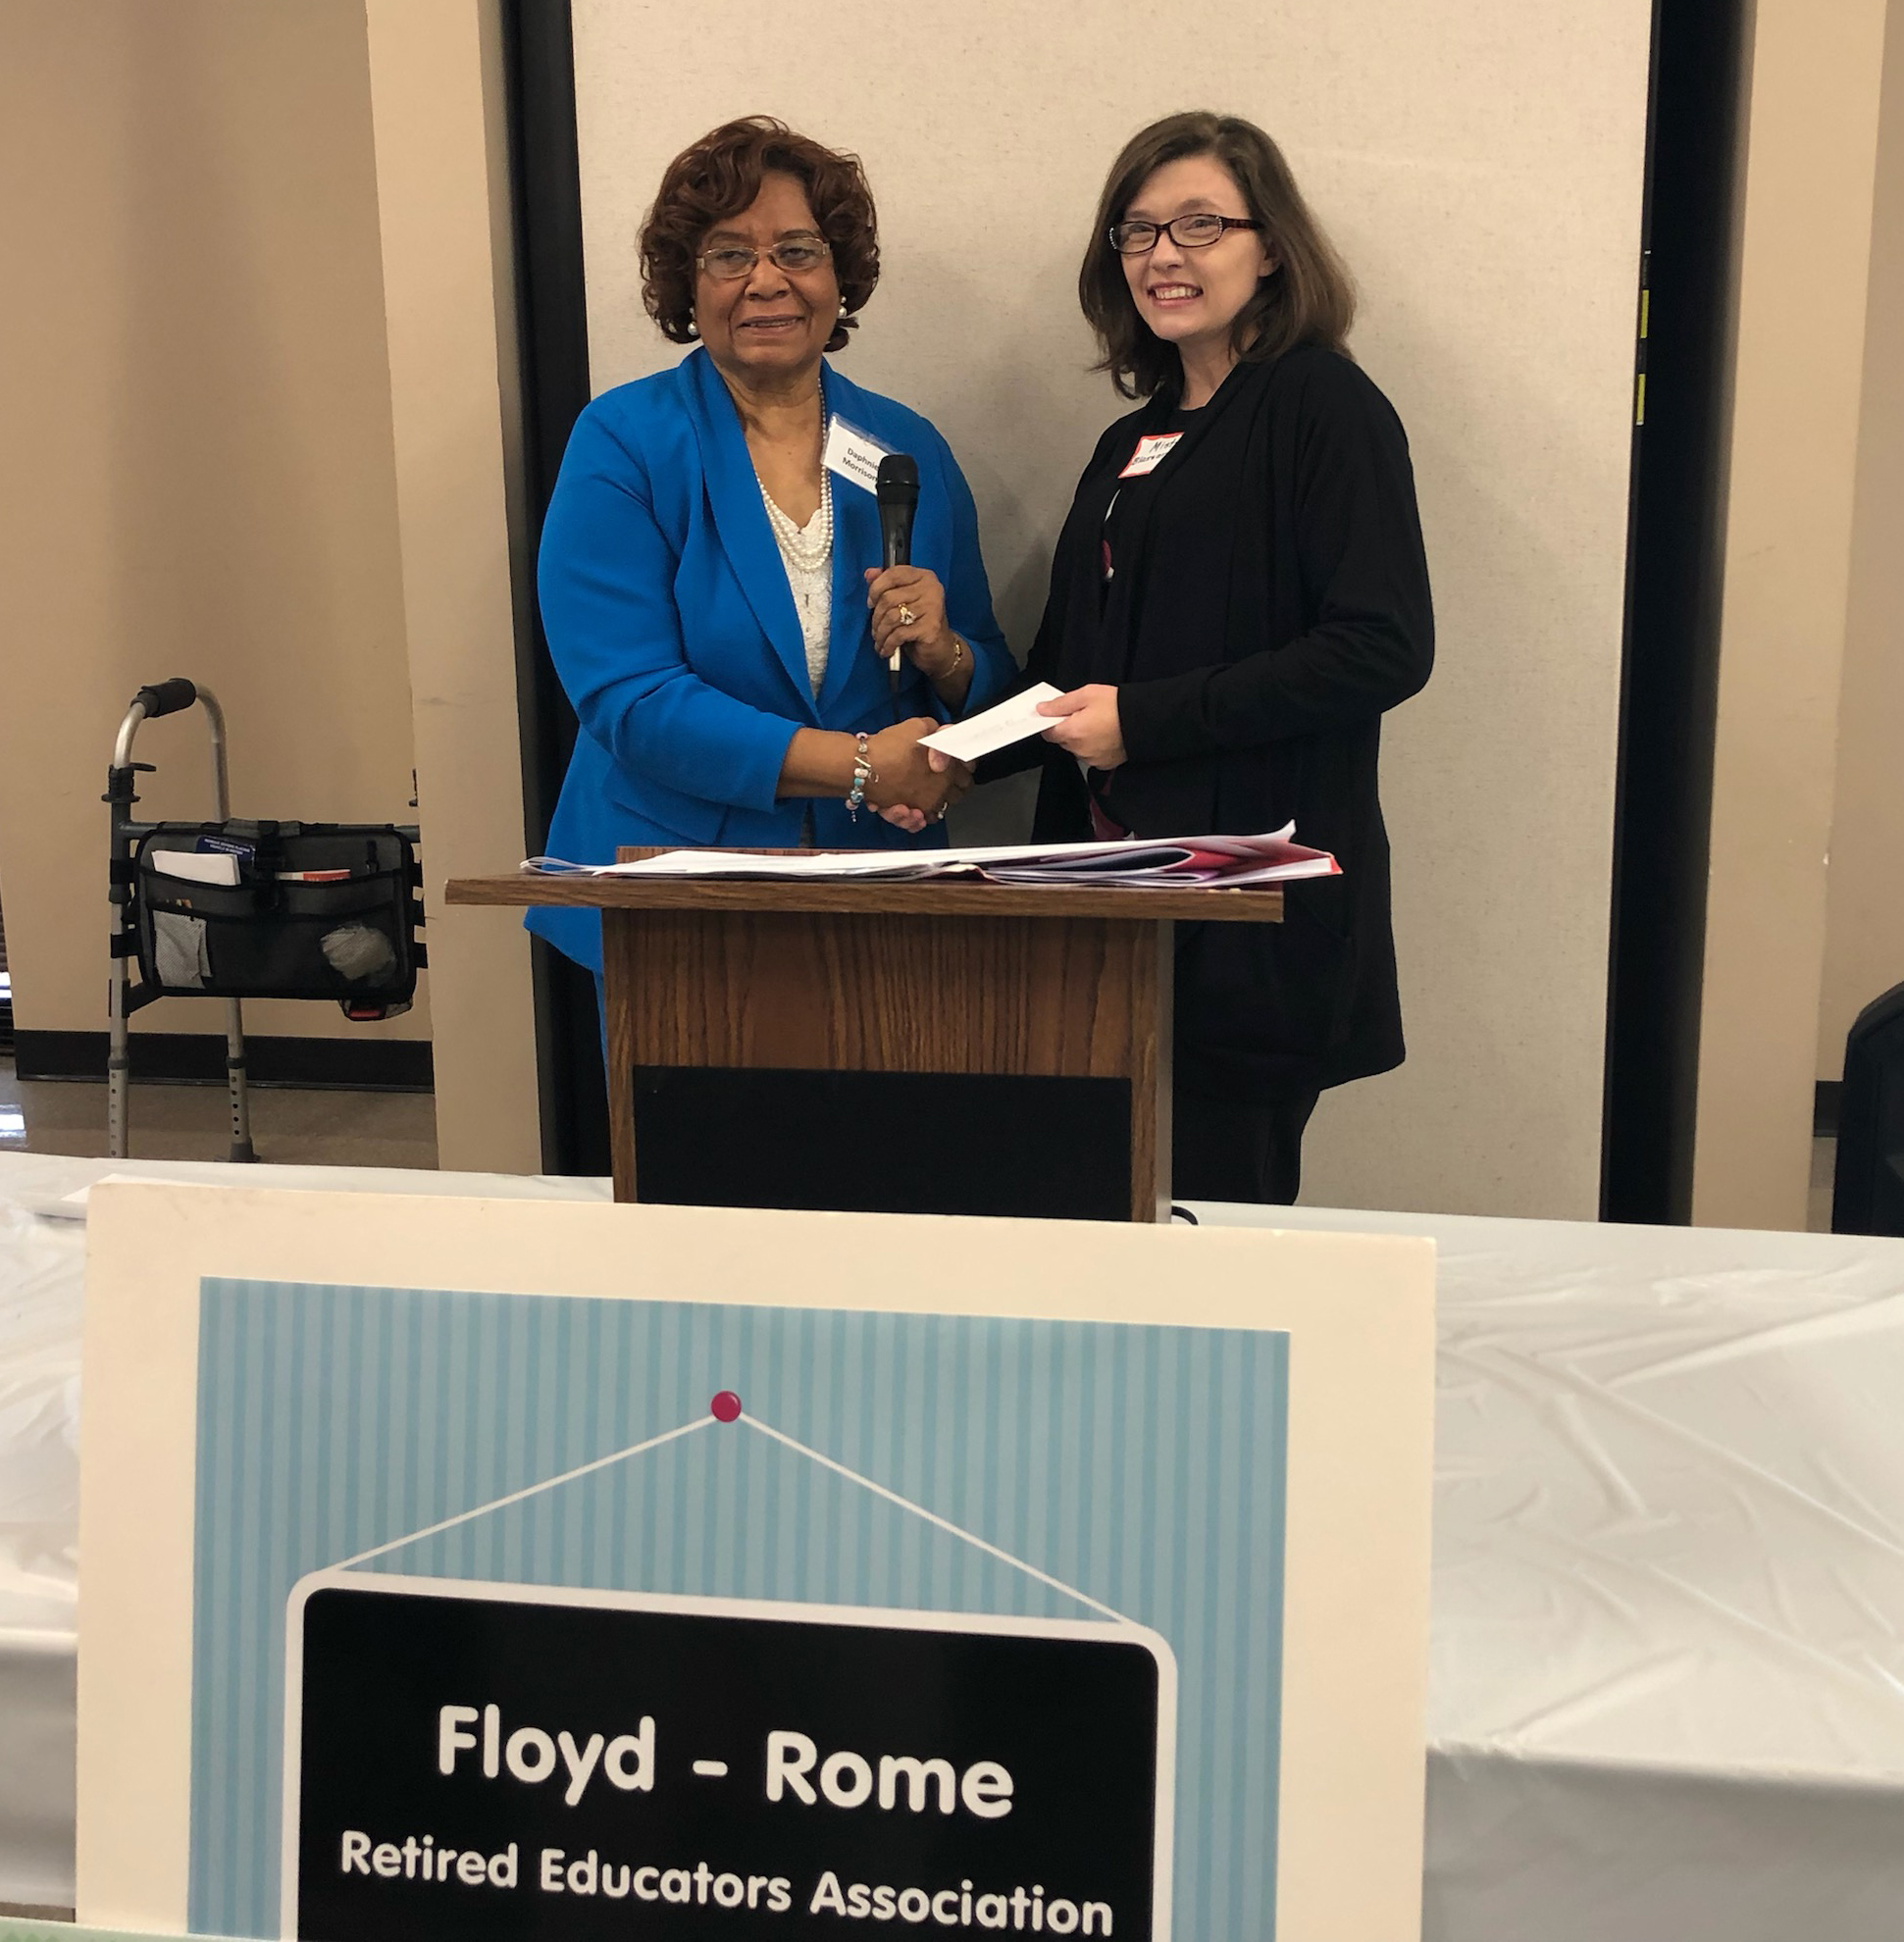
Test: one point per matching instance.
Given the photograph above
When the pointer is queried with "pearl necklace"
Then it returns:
(807, 547)
(807, 557)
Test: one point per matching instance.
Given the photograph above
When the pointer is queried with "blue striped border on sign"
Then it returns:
(1139, 1467)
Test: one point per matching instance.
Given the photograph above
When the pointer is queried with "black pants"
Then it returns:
(1229, 1150)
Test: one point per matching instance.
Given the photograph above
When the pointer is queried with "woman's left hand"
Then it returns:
(1089, 727)
(925, 639)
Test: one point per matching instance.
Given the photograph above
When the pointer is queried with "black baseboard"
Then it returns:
(1827, 1097)
(197, 1058)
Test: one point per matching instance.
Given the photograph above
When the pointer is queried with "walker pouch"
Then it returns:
(291, 910)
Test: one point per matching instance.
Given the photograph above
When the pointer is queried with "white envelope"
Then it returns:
(997, 728)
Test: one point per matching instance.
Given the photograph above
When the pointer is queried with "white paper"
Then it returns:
(997, 728)
(198, 866)
(808, 863)
(1167, 863)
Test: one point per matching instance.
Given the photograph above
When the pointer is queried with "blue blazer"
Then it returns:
(674, 630)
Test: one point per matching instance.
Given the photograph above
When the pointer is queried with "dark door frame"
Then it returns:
(1668, 691)
(538, 69)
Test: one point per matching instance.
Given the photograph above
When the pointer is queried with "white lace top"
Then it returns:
(806, 553)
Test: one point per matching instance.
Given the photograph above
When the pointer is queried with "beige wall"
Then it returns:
(259, 401)
(1863, 938)
(1803, 288)
(448, 305)
(198, 475)
(1480, 163)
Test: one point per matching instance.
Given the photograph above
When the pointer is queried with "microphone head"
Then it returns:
(898, 480)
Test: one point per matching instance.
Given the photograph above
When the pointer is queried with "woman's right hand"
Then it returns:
(914, 786)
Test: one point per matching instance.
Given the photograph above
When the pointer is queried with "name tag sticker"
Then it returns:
(853, 455)
(1152, 450)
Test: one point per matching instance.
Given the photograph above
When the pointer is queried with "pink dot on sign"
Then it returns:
(726, 1407)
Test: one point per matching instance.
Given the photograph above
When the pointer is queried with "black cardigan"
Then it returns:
(1271, 602)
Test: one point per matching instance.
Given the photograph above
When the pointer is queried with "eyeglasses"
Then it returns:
(1197, 232)
(731, 261)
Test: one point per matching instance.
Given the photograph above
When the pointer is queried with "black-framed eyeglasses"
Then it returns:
(728, 263)
(1196, 231)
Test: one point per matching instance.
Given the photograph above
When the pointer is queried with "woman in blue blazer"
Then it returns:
(711, 584)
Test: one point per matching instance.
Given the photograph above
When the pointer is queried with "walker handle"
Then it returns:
(167, 698)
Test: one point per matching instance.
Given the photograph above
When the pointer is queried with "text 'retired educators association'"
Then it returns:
(472, 1765)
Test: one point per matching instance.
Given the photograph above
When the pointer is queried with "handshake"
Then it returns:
(911, 786)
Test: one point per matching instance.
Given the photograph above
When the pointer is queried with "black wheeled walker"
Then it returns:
(236, 909)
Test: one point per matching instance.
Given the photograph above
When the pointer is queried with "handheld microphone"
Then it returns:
(897, 492)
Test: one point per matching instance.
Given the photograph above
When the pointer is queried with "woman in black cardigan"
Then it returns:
(1238, 595)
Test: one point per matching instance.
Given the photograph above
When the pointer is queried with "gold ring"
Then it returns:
(907, 617)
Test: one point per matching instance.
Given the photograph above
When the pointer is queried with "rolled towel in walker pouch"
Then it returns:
(357, 951)
(318, 910)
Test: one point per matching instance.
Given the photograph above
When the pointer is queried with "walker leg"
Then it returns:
(118, 1137)
(234, 1073)
(117, 1068)
(118, 1063)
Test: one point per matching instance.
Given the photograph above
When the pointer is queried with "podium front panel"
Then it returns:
(876, 1062)
(1025, 1145)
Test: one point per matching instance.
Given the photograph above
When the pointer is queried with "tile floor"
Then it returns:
(289, 1127)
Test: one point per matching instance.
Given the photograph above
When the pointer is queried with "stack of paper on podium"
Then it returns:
(1220, 862)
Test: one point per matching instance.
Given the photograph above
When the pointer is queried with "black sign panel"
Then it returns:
(475, 1762)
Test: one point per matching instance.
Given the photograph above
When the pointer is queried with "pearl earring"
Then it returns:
(842, 306)
(693, 329)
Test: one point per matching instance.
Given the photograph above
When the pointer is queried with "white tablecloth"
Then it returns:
(1667, 1675)
(1667, 1690)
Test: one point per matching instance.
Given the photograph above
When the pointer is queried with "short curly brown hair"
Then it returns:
(717, 178)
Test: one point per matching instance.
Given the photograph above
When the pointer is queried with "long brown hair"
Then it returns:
(1308, 298)
(718, 178)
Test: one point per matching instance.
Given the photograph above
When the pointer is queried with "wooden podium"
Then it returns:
(945, 1046)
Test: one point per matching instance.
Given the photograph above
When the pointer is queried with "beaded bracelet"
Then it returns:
(863, 772)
